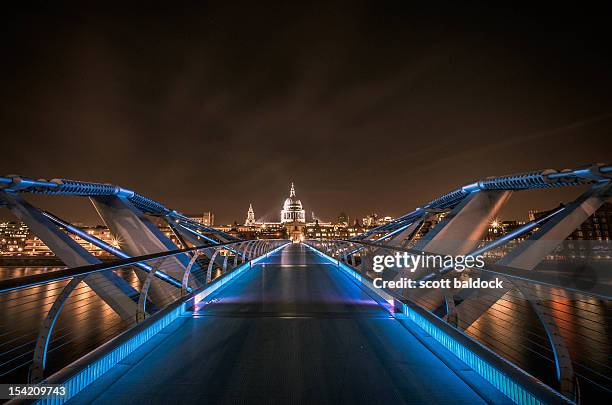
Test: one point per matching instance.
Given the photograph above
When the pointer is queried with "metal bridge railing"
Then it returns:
(549, 178)
(52, 317)
(554, 327)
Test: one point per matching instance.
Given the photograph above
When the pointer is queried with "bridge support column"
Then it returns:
(462, 229)
(459, 233)
(140, 237)
(398, 240)
(532, 251)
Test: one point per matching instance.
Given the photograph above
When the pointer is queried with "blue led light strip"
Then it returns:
(84, 371)
(516, 391)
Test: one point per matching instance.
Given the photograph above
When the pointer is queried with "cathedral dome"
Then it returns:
(292, 209)
(291, 203)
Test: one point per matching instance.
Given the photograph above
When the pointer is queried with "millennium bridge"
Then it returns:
(220, 319)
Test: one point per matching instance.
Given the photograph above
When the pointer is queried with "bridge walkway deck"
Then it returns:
(294, 329)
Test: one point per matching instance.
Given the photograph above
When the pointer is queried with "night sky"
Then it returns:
(377, 106)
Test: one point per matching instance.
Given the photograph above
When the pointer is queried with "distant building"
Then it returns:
(586, 240)
(370, 220)
(596, 227)
(206, 219)
(322, 231)
(267, 230)
(373, 220)
(294, 217)
(31, 245)
(292, 209)
(293, 224)
(13, 236)
(17, 240)
(250, 219)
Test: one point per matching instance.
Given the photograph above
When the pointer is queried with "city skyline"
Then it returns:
(271, 215)
(509, 212)
(381, 115)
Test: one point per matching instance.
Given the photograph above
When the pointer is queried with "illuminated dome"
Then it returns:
(292, 209)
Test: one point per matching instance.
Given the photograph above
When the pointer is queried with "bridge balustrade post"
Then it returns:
(194, 240)
(39, 361)
(225, 261)
(252, 248)
(345, 252)
(353, 260)
(185, 279)
(245, 256)
(141, 313)
(248, 248)
(211, 265)
(237, 253)
(563, 362)
(332, 248)
(326, 247)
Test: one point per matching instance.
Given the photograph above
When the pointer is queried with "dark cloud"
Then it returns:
(365, 106)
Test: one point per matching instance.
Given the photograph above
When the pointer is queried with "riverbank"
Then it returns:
(25, 261)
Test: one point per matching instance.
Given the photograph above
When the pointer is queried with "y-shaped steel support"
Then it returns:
(245, 252)
(211, 265)
(37, 367)
(115, 291)
(253, 249)
(225, 262)
(237, 254)
(563, 362)
(185, 281)
(141, 313)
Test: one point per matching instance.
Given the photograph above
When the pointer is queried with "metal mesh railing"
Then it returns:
(51, 317)
(522, 321)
